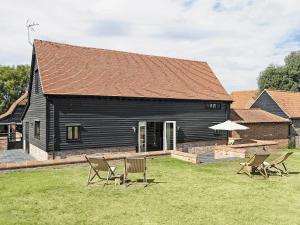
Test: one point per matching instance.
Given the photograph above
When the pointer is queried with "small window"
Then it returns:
(37, 129)
(73, 132)
(36, 81)
(214, 106)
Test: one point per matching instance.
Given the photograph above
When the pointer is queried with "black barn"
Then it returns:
(87, 100)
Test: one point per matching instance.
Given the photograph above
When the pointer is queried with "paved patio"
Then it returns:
(12, 156)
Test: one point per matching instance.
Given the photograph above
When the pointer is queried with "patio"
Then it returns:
(13, 156)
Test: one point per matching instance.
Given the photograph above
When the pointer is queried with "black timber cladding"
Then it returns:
(265, 102)
(109, 122)
(36, 109)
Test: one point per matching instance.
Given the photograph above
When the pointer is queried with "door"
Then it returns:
(142, 136)
(169, 135)
(26, 137)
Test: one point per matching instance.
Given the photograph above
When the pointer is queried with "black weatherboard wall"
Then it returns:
(266, 103)
(109, 122)
(37, 109)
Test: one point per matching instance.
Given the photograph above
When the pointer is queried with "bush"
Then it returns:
(291, 144)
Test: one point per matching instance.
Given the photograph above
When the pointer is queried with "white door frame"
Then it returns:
(141, 124)
(165, 147)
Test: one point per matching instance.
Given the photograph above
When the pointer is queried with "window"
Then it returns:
(73, 132)
(214, 106)
(37, 129)
(36, 81)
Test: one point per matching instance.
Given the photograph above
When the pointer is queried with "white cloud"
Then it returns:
(238, 38)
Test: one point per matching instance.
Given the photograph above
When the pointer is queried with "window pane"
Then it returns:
(214, 106)
(76, 133)
(37, 129)
(69, 135)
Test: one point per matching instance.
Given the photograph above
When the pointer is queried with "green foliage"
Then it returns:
(13, 83)
(291, 143)
(286, 77)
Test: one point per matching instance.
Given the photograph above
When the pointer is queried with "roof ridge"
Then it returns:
(117, 73)
(272, 90)
(119, 51)
(243, 91)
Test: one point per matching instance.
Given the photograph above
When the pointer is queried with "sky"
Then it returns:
(238, 38)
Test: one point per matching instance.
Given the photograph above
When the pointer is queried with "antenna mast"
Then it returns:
(30, 28)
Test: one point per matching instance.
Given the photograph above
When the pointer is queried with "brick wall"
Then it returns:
(76, 152)
(263, 131)
(3, 143)
(200, 147)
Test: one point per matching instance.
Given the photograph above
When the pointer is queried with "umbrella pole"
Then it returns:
(227, 134)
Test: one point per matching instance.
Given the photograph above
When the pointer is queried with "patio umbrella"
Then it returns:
(229, 126)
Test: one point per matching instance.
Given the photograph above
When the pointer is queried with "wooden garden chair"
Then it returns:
(277, 162)
(97, 165)
(255, 163)
(135, 165)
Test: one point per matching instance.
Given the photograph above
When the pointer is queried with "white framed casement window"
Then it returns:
(72, 132)
(37, 129)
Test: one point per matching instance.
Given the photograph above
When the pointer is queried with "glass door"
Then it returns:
(142, 136)
(170, 135)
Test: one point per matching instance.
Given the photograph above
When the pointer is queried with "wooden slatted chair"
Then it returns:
(279, 161)
(255, 163)
(135, 165)
(97, 165)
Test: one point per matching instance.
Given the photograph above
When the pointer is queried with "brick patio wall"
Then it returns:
(264, 131)
(200, 147)
(3, 143)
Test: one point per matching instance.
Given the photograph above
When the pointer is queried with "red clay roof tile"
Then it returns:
(72, 70)
(243, 99)
(288, 101)
(255, 116)
(20, 101)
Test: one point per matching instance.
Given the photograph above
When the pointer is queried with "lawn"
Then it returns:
(182, 193)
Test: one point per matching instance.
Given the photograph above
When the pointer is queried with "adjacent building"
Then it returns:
(281, 103)
(11, 124)
(87, 100)
(243, 99)
(262, 125)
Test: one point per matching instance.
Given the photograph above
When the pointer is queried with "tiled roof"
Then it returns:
(289, 102)
(72, 70)
(255, 116)
(243, 99)
(20, 101)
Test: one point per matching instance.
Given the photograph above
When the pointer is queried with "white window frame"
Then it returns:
(165, 147)
(141, 124)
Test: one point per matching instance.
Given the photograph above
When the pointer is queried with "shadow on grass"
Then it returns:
(294, 172)
(150, 182)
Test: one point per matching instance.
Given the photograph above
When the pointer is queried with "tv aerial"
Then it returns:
(30, 28)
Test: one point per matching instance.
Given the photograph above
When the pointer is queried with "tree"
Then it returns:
(13, 83)
(286, 77)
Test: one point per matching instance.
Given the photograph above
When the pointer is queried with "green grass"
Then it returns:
(182, 193)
